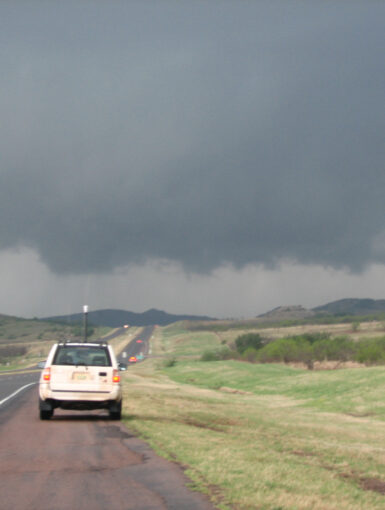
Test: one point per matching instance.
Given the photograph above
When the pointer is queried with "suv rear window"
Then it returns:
(82, 355)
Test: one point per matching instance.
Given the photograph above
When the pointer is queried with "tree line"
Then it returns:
(306, 348)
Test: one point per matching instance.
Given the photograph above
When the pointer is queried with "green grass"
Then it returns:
(182, 343)
(262, 436)
(358, 391)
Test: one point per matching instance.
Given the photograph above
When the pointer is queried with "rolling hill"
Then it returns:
(117, 318)
(352, 306)
(341, 307)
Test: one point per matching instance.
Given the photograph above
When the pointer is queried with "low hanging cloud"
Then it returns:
(204, 134)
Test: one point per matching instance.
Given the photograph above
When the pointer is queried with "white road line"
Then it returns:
(16, 392)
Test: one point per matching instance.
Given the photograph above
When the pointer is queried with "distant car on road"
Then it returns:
(132, 359)
(139, 341)
(41, 364)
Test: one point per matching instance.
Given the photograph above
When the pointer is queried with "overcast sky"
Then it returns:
(210, 157)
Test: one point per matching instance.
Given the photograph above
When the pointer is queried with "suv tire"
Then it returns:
(116, 411)
(46, 415)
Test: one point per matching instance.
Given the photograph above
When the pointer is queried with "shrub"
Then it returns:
(306, 349)
(250, 354)
(312, 338)
(282, 350)
(226, 353)
(371, 351)
(218, 354)
(253, 340)
(210, 356)
(170, 362)
(334, 349)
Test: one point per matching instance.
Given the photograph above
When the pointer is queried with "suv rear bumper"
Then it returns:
(79, 405)
(79, 399)
(45, 391)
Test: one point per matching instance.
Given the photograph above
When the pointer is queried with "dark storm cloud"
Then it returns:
(205, 133)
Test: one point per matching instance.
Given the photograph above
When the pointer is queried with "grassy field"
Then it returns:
(354, 330)
(261, 436)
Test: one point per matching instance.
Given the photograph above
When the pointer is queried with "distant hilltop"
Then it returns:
(118, 318)
(288, 312)
(348, 306)
(352, 306)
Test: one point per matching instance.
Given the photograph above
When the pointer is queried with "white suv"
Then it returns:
(80, 376)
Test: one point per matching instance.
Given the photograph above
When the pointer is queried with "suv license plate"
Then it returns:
(80, 376)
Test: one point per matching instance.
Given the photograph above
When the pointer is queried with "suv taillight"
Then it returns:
(115, 376)
(47, 374)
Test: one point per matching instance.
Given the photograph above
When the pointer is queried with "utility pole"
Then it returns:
(85, 312)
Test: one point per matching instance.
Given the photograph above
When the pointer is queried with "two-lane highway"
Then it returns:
(14, 382)
(139, 346)
(80, 460)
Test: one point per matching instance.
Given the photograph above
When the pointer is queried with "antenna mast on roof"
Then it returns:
(85, 313)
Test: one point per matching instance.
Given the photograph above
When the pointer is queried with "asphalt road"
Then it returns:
(138, 346)
(80, 459)
(16, 382)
